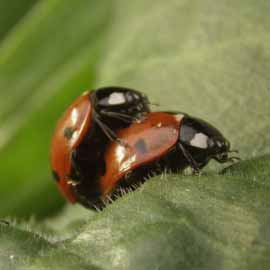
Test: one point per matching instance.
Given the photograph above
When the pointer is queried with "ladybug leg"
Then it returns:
(75, 171)
(203, 164)
(194, 165)
(234, 151)
(121, 116)
(108, 132)
(232, 159)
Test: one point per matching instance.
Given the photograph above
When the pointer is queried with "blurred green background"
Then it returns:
(211, 60)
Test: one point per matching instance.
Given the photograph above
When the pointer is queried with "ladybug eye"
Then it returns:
(210, 143)
(130, 97)
(223, 144)
(137, 97)
(219, 143)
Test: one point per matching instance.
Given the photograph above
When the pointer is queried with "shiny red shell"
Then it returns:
(145, 142)
(69, 133)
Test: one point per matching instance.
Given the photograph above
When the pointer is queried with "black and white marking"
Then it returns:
(199, 140)
(116, 98)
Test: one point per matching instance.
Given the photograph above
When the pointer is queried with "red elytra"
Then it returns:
(99, 112)
(145, 142)
(69, 132)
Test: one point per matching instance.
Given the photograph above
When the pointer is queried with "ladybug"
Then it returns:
(84, 130)
(163, 140)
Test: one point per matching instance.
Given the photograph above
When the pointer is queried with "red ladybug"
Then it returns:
(83, 130)
(171, 141)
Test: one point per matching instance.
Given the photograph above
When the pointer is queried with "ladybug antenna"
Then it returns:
(233, 151)
(154, 104)
(234, 159)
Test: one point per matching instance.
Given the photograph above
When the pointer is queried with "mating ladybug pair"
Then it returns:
(108, 140)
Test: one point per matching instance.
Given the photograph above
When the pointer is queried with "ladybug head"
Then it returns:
(204, 140)
(221, 150)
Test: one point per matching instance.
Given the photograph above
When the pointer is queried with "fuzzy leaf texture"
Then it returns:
(210, 59)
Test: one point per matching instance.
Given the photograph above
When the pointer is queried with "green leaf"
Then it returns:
(210, 59)
(172, 222)
(26, 250)
(12, 13)
(186, 222)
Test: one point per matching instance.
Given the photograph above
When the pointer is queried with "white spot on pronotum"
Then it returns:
(11, 256)
(159, 125)
(116, 98)
(200, 141)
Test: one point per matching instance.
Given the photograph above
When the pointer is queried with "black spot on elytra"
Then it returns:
(141, 146)
(68, 132)
(55, 176)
